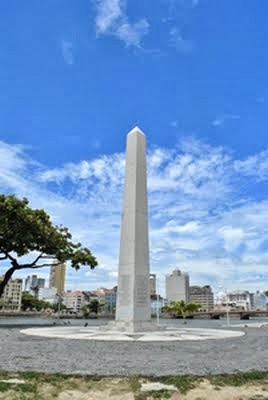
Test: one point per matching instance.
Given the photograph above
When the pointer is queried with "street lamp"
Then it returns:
(59, 304)
(158, 303)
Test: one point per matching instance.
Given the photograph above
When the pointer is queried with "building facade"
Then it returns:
(260, 301)
(152, 284)
(11, 298)
(177, 286)
(49, 295)
(240, 299)
(110, 300)
(74, 301)
(157, 304)
(57, 277)
(202, 295)
(33, 283)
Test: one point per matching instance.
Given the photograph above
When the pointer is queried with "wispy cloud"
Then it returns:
(254, 166)
(187, 3)
(67, 51)
(174, 124)
(201, 219)
(222, 119)
(111, 19)
(177, 41)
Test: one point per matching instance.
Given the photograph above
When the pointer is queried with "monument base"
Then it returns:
(132, 326)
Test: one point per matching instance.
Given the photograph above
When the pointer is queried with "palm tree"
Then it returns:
(181, 308)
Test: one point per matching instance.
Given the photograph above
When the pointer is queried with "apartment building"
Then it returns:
(202, 295)
(11, 298)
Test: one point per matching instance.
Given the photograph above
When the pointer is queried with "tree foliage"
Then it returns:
(181, 308)
(29, 232)
(30, 302)
(93, 307)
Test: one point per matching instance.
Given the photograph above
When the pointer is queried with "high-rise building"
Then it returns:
(202, 295)
(177, 286)
(11, 298)
(57, 277)
(33, 284)
(152, 284)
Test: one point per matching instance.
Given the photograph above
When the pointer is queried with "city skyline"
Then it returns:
(199, 95)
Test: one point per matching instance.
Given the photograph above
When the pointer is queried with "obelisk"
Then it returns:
(133, 311)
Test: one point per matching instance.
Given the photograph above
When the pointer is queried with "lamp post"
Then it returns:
(224, 291)
(158, 303)
(59, 304)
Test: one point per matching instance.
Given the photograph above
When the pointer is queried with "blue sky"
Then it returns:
(75, 77)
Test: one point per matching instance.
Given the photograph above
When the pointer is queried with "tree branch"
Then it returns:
(6, 278)
(37, 259)
(22, 266)
(7, 255)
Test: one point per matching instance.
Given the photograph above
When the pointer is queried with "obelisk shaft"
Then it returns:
(133, 294)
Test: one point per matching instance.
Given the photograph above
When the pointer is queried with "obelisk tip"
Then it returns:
(136, 129)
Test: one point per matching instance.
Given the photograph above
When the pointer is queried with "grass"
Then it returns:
(161, 394)
(183, 383)
(238, 379)
(47, 386)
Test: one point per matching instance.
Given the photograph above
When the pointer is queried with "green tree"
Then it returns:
(30, 302)
(181, 308)
(25, 231)
(266, 293)
(94, 306)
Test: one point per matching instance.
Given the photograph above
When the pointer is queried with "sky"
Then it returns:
(76, 76)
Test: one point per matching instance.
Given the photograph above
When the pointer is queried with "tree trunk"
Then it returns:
(7, 276)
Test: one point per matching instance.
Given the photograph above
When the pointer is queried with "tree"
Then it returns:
(181, 308)
(29, 232)
(266, 293)
(93, 307)
(30, 302)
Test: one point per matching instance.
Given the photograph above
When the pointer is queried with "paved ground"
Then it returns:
(161, 335)
(22, 352)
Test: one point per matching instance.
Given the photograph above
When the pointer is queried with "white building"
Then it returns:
(11, 298)
(48, 294)
(74, 301)
(177, 286)
(240, 299)
(260, 301)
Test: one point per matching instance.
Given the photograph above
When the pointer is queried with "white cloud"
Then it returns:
(254, 166)
(67, 51)
(199, 218)
(111, 19)
(232, 237)
(221, 120)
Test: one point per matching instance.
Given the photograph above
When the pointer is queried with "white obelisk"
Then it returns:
(133, 311)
